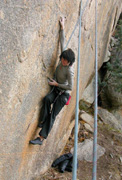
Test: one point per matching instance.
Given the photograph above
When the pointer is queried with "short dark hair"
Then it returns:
(69, 55)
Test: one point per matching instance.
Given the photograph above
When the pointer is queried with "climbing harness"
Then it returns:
(59, 93)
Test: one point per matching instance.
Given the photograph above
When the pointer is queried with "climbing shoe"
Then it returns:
(36, 141)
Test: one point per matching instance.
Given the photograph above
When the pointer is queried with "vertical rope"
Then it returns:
(94, 172)
(74, 177)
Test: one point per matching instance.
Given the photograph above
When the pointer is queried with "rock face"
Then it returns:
(109, 118)
(111, 97)
(29, 50)
(87, 118)
(88, 94)
(85, 150)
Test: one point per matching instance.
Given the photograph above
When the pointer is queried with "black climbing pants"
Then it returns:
(48, 114)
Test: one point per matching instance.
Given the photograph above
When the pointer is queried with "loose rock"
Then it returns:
(88, 127)
(109, 118)
(87, 118)
(85, 150)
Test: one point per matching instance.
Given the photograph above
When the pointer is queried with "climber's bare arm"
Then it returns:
(62, 35)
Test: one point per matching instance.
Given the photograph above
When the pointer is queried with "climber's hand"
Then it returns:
(53, 83)
(62, 20)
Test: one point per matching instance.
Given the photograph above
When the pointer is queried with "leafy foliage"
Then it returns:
(114, 67)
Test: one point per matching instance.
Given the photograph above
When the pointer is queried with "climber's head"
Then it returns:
(67, 57)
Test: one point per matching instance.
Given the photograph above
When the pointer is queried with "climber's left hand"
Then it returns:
(53, 83)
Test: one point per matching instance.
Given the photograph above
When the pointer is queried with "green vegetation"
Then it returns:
(114, 66)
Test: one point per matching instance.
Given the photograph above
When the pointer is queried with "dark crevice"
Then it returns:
(108, 71)
(90, 3)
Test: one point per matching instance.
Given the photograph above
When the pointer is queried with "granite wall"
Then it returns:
(29, 51)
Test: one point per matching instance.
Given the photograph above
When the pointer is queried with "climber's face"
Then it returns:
(64, 62)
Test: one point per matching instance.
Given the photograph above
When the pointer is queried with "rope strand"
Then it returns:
(74, 177)
(94, 172)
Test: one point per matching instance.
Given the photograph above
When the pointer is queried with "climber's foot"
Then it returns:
(36, 141)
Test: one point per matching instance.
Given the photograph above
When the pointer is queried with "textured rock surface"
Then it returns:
(112, 93)
(118, 114)
(85, 150)
(88, 94)
(87, 118)
(88, 127)
(109, 118)
(110, 96)
(29, 50)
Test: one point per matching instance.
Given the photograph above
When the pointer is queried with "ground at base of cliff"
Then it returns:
(109, 166)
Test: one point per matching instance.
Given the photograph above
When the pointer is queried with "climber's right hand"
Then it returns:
(62, 20)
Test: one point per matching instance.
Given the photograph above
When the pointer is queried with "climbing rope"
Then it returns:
(74, 176)
(94, 172)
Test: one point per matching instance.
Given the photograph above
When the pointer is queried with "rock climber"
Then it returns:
(62, 85)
